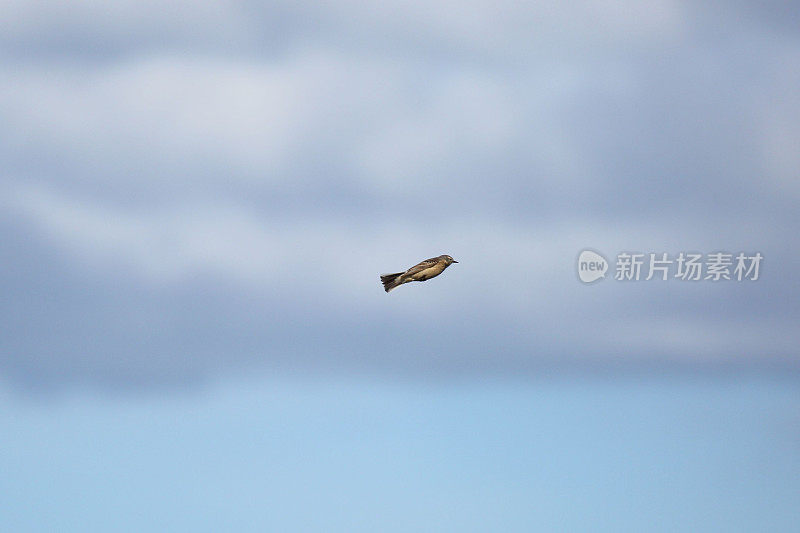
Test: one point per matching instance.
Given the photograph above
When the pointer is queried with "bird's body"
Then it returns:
(422, 271)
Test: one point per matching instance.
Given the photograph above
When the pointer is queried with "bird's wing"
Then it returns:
(422, 265)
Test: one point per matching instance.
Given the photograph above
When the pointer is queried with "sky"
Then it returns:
(197, 199)
(560, 454)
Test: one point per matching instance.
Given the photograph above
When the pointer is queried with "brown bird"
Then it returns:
(425, 270)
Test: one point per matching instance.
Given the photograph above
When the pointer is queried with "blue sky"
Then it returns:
(197, 195)
(660, 454)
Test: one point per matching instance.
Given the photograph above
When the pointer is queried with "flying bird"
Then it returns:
(425, 270)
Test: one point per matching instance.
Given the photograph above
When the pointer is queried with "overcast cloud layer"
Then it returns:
(214, 188)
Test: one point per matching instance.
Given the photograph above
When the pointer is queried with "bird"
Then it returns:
(422, 271)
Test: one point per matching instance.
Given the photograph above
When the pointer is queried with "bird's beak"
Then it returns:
(454, 261)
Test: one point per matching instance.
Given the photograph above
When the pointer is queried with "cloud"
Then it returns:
(95, 29)
(777, 110)
(475, 27)
(165, 167)
(177, 114)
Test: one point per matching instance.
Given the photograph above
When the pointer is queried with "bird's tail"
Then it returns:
(390, 281)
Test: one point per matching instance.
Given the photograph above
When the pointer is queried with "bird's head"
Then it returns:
(449, 259)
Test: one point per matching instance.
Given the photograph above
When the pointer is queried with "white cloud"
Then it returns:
(508, 135)
(175, 112)
(176, 119)
(697, 339)
(776, 114)
(137, 23)
(463, 114)
(259, 250)
(505, 27)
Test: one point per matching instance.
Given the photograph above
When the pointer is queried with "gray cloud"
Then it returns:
(193, 195)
